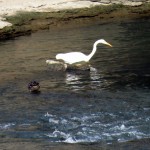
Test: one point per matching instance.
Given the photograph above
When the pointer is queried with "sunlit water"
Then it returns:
(110, 103)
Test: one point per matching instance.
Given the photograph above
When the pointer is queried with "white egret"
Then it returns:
(75, 57)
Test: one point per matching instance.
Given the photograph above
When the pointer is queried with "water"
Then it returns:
(110, 103)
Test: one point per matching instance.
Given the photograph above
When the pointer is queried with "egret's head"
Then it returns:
(103, 42)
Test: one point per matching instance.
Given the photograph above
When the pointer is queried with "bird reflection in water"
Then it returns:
(83, 80)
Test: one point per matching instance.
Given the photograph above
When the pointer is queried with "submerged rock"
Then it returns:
(61, 66)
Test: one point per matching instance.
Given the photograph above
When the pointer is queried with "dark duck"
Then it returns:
(34, 87)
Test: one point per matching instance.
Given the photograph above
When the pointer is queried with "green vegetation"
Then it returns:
(25, 17)
(143, 9)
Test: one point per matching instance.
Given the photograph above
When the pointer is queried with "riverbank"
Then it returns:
(28, 21)
(36, 144)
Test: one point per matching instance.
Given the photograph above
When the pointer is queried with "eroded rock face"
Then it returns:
(11, 7)
(123, 2)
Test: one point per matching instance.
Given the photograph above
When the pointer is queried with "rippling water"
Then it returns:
(110, 103)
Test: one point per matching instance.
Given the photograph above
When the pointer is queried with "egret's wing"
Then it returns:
(73, 57)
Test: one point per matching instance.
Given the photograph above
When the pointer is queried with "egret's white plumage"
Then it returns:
(75, 57)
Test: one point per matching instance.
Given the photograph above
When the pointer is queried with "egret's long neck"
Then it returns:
(93, 51)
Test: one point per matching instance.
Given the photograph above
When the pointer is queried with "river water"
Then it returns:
(110, 103)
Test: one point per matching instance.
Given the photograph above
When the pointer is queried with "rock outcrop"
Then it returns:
(8, 8)
(123, 2)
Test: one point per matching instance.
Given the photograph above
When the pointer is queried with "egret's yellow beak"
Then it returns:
(109, 44)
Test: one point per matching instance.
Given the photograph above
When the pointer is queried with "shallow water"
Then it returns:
(110, 103)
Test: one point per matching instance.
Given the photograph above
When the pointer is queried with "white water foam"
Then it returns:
(89, 128)
(6, 126)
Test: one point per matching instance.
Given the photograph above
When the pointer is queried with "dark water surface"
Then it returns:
(109, 104)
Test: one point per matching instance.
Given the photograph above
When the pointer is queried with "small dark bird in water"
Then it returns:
(34, 87)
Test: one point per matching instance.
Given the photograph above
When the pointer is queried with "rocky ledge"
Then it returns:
(123, 2)
(20, 17)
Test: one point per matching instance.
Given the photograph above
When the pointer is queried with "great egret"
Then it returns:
(75, 57)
